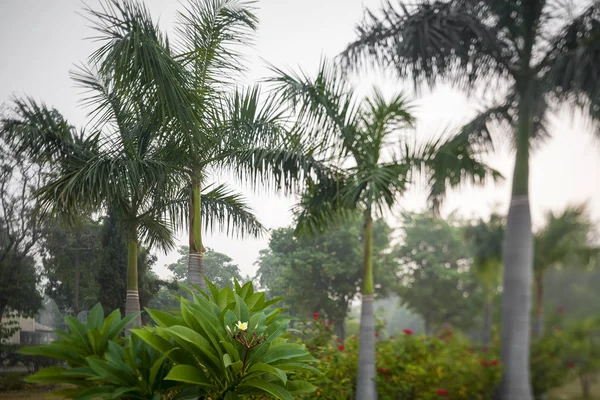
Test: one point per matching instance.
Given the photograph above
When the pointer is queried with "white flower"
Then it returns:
(242, 326)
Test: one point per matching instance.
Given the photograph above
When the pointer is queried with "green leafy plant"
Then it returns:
(230, 344)
(80, 348)
(410, 367)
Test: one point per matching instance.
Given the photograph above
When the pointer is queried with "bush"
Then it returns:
(223, 345)
(11, 381)
(408, 367)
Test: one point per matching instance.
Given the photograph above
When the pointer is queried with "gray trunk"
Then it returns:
(196, 269)
(76, 302)
(132, 306)
(365, 384)
(487, 324)
(340, 329)
(516, 302)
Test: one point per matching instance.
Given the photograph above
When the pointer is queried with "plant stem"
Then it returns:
(244, 362)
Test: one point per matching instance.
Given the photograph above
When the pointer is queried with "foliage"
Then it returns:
(436, 277)
(229, 343)
(20, 232)
(582, 339)
(219, 269)
(409, 367)
(10, 357)
(323, 273)
(549, 369)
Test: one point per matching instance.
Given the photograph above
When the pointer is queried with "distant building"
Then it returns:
(30, 332)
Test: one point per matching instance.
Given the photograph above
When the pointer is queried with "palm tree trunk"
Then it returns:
(518, 271)
(538, 325)
(365, 383)
(132, 301)
(487, 323)
(196, 254)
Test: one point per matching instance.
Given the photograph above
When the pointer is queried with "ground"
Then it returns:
(569, 392)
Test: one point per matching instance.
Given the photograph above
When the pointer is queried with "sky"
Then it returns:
(41, 41)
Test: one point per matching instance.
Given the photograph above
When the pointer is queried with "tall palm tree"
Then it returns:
(563, 241)
(537, 56)
(364, 138)
(487, 238)
(235, 130)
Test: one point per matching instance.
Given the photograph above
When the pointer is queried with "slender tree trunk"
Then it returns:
(76, 294)
(340, 329)
(586, 382)
(487, 323)
(132, 301)
(196, 254)
(365, 384)
(538, 324)
(518, 270)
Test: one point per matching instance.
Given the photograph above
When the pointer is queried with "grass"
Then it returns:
(572, 391)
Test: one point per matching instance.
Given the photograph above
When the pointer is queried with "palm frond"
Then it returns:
(211, 34)
(431, 40)
(40, 132)
(225, 209)
(450, 163)
(326, 104)
(323, 206)
(136, 57)
(571, 65)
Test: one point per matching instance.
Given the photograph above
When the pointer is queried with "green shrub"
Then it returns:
(11, 381)
(221, 346)
(230, 344)
(409, 367)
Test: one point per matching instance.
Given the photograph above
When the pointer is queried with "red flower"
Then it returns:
(383, 371)
(338, 340)
(341, 348)
(316, 315)
(484, 363)
(560, 310)
(494, 362)
(407, 332)
(329, 357)
(376, 334)
(442, 392)
(387, 379)
(485, 349)
(570, 364)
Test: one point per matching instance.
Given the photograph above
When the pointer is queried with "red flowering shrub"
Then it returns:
(408, 332)
(408, 367)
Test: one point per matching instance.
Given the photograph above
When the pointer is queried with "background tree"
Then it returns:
(564, 241)
(538, 54)
(365, 136)
(437, 281)
(70, 261)
(219, 270)
(20, 233)
(323, 273)
(486, 238)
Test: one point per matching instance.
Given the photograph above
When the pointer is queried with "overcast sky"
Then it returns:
(41, 40)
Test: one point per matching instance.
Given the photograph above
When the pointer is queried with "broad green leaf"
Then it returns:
(300, 387)
(268, 369)
(163, 318)
(189, 374)
(270, 388)
(95, 317)
(197, 340)
(241, 309)
(284, 351)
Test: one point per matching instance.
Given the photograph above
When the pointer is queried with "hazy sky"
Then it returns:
(41, 40)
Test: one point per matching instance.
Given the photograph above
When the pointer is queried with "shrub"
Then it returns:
(223, 345)
(410, 367)
(12, 381)
(230, 344)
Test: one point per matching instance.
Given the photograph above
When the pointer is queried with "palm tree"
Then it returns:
(487, 238)
(538, 56)
(234, 130)
(563, 241)
(364, 136)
